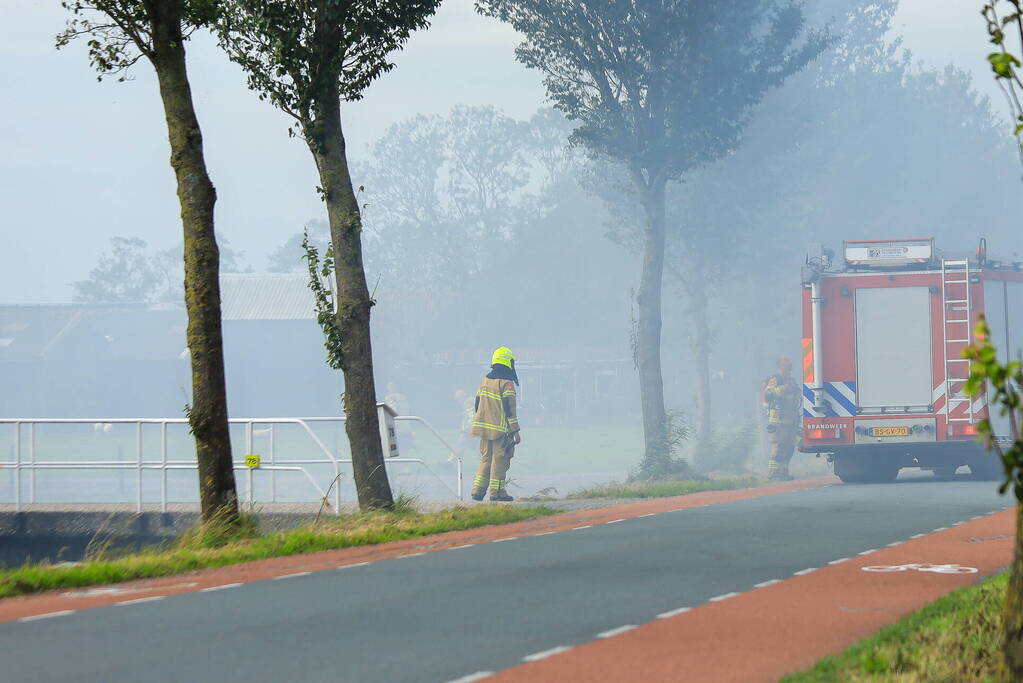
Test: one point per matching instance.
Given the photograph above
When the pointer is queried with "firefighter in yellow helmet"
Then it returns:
(784, 400)
(497, 426)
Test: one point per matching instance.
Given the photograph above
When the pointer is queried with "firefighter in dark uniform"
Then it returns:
(784, 403)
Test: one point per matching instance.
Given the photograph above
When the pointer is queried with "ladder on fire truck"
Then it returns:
(956, 312)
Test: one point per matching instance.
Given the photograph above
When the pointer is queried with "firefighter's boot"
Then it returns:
(479, 486)
(497, 492)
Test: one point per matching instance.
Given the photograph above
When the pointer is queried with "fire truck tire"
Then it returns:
(986, 467)
(862, 469)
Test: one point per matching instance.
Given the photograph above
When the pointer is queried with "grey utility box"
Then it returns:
(388, 433)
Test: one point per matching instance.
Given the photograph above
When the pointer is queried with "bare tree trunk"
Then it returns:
(700, 337)
(648, 335)
(1012, 616)
(327, 144)
(208, 414)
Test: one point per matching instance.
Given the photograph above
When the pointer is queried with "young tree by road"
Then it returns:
(1005, 26)
(120, 33)
(660, 87)
(305, 58)
(1003, 383)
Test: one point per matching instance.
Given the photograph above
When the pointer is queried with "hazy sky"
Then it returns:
(81, 161)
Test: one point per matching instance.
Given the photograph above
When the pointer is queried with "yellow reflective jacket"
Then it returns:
(495, 409)
(784, 400)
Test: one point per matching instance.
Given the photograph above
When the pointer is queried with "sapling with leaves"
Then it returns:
(1003, 383)
(306, 57)
(1006, 31)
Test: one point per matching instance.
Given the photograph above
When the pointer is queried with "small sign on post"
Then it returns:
(388, 433)
(252, 461)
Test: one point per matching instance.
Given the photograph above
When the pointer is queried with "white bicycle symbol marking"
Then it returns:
(935, 568)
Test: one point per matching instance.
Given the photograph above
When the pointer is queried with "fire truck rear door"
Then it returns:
(893, 348)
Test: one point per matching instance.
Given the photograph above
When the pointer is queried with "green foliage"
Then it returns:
(728, 448)
(319, 273)
(668, 463)
(132, 273)
(662, 86)
(956, 638)
(203, 549)
(1005, 63)
(1003, 384)
(293, 52)
(120, 31)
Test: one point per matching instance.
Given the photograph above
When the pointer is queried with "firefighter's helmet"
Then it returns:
(503, 356)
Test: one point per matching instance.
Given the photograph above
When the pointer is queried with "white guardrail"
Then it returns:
(25, 460)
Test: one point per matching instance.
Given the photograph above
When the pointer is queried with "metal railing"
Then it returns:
(31, 465)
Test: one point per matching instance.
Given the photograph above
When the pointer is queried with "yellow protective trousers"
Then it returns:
(783, 443)
(495, 458)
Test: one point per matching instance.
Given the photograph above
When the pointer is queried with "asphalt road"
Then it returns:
(448, 614)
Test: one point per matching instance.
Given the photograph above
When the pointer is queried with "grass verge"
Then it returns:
(664, 489)
(955, 638)
(198, 550)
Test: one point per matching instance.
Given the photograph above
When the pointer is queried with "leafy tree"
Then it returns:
(661, 87)
(305, 58)
(1003, 383)
(125, 274)
(488, 166)
(130, 273)
(287, 258)
(1005, 62)
(121, 32)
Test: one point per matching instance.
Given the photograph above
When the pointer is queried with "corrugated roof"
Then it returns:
(266, 296)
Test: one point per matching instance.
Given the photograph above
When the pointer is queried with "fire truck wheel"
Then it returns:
(986, 467)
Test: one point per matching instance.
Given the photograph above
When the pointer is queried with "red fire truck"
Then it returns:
(883, 372)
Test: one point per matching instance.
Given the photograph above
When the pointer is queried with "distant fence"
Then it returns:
(25, 461)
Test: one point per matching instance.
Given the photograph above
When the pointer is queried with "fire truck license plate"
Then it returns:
(889, 431)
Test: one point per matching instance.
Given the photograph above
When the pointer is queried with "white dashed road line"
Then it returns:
(459, 547)
(537, 656)
(219, 588)
(139, 601)
(918, 535)
(673, 613)
(804, 572)
(616, 631)
(48, 615)
(649, 515)
(719, 598)
(478, 676)
(615, 521)
(764, 584)
(502, 540)
(839, 560)
(291, 576)
(867, 552)
(587, 526)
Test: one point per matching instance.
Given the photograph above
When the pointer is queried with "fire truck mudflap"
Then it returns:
(883, 373)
